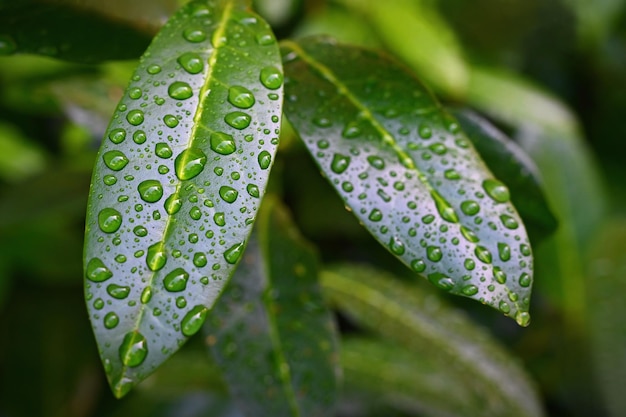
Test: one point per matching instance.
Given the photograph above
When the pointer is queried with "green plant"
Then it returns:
(189, 229)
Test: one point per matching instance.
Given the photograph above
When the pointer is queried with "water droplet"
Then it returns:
(222, 143)
(176, 280)
(191, 62)
(265, 159)
(483, 254)
(96, 271)
(499, 275)
(418, 265)
(238, 120)
(146, 295)
(375, 215)
(396, 246)
(240, 97)
(445, 210)
(233, 254)
(469, 235)
(153, 69)
(134, 349)
(524, 280)
(469, 264)
(265, 39)
(253, 190)
(195, 213)
(504, 307)
(469, 290)
(150, 191)
(199, 259)
(118, 291)
(117, 135)
(271, 77)
(140, 231)
(111, 320)
(524, 249)
(339, 163)
(509, 222)
(504, 251)
(441, 281)
(347, 186)
(376, 161)
(194, 35)
(170, 120)
(181, 302)
(109, 220)
(470, 207)
(139, 137)
(163, 150)
(193, 320)
(156, 258)
(179, 90)
(173, 204)
(135, 117)
(109, 180)
(115, 160)
(522, 318)
(190, 163)
(425, 132)
(496, 190)
(228, 194)
(351, 131)
(438, 148)
(134, 93)
(7, 45)
(434, 253)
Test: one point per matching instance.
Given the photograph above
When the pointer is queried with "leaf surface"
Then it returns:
(408, 172)
(440, 338)
(271, 332)
(177, 183)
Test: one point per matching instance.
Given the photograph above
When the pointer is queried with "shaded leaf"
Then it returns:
(19, 158)
(177, 183)
(509, 163)
(271, 332)
(493, 382)
(67, 32)
(409, 174)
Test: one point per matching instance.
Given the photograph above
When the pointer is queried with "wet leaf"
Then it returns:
(408, 172)
(511, 164)
(442, 342)
(271, 332)
(177, 183)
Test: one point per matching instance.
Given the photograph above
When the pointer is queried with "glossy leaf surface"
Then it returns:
(493, 383)
(510, 163)
(177, 183)
(271, 332)
(408, 172)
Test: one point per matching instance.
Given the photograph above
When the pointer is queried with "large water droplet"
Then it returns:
(228, 194)
(434, 253)
(109, 220)
(524, 280)
(156, 258)
(469, 290)
(509, 222)
(240, 97)
(189, 163)
(193, 320)
(271, 77)
(176, 280)
(140, 231)
(135, 117)
(469, 235)
(199, 259)
(253, 190)
(441, 281)
(469, 264)
(139, 137)
(170, 120)
(134, 93)
(265, 39)
(396, 246)
(504, 251)
(522, 318)
(233, 254)
(470, 207)
(146, 295)
(265, 159)
(118, 291)
(418, 265)
(191, 62)
(375, 215)
(496, 190)
(117, 135)
(96, 271)
(376, 161)
(150, 191)
(134, 349)
(238, 119)
(179, 90)
(173, 204)
(111, 320)
(222, 143)
(339, 163)
(445, 210)
(163, 150)
(194, 35)
(115, 160)
(483, 254)
(499, 275)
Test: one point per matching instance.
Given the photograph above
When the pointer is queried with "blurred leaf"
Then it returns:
(173, 155)
(493, 383)
(67, 32)
(408, 173)
(606, 285)
(509, 163)
(415, 32)
(19, 158)
(271, 332)
(596, 19)
(339, 24)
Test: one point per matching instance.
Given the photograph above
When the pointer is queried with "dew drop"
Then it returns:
(240, 97)
(179, 90)
(253, 190)
(115, 160)
(117, 135)
(452, 174)
(271, 78)
(109, 220)
(396, 246)
(111, 320)
(524, 280)
(499, 275)
(238, 120)
(146, 295)
(134, 349)
(469, 235)
(118, 291)
(483, 254)
(176, 280)
(470, 207)
(134, 93)
(195, 213)
(199, 259)
(219, 219)
(170, 120)
(193, 320)
(376, 161)
(96, 271)
(135, 117)
(425, 132)
(496, 190)
(441, 281)
(347, 186)
(156, 258)
(524, 249)
(469, 290)
(339, 163)
(445, 210)
(522, 318)
(434, 253)
(509, 222)
(222, 143)
(191, 62)
(351, 131)
(418, 265)
(163, 150)
(469, 264)
(233, 253)
(265, 39)
(504, 307)
(194, 35)
(140, 231)
(173, 204)
(375, 215)
(264, 159)
(109, 180)
(504, 251)
(189, 163)
(150, 191)
(139, 137)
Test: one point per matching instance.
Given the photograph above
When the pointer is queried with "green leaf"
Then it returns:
(67, 32)
(439, 337)
(271, 332)
(177, 183)
(511, 164)
(409, 174)
(20, 158)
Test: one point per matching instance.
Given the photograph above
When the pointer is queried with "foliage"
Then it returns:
(222, 270)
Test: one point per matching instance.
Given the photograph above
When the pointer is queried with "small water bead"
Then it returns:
(219, 219)
(134, 93)
(237, 119)
(496, 190)
(253, 190)
(264, 159)
(176, 280)
(428, 219)
(194, 35)
(179, 90)
(504, 307)
(339, 163)
(233, 253)
(441, 281)
(163, 150)
(470, 207)
(109, 220)
(115, 160)
(118, 291)
(172, 204)
(193, 320)
(117, 135)
(189, 163)
(469, 264)
(396, 246)
(146, 295)
(444, 208)
(96, 271)
(452, 174)
(418, 265)
(98, 304)
(170, 120)
(111, 320)
(140, 231)
(139, 137)
(271, 78)
(438, 148)
(504, 251)
(241, 97)
(425, 132)
(509, 222)
(218, 171)
(109, 180)
(222, 143)
(524, 280)
(199, 259)
(434, 253)
(134, 349)
(347, 186)
(120, 258)
(153, 69)
(191, 62)
(156, 258)
(524, 249)
(150, 191)
(135, 117)
(181, 302)
(376, 161)
(483, 254)
(469, 290)
(193, 238)
(351, 131)
(195, 213)
(469, 235)
(499, 275)
(375, 215)
(265, 39)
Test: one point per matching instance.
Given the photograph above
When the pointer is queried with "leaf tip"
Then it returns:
(122, 386)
